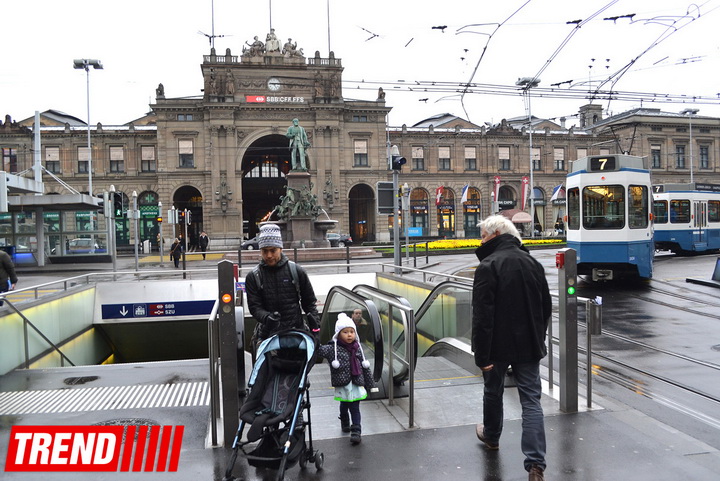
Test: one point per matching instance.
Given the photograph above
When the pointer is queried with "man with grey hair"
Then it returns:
(511, 310)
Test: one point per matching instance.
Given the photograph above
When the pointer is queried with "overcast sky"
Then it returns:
(666, 47)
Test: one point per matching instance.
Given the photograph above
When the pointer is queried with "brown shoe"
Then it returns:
(536, 473)
(480, 432)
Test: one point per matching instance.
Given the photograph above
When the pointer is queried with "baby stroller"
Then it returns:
(278, 393)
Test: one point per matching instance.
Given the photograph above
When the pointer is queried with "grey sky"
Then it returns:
(142, 43)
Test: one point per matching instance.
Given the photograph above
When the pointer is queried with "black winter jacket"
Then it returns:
(342, 376)
(278, 294)
(511, 304)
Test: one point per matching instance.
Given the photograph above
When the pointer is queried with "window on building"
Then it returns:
(267, 169)
(704, 157)
(504, 158)
(582, 153)
(470, 158)
(117, 159)
(52, 159)
(83, 157)
(147, 158)
(185, 151)
(655, 128)
(679, 156)
(559, 158)
(418, 158)
(9, 159)
(185, 117)
(704, 131)
(656, 156)
(536, 163)
(681, 129)
(360, 153)
(443, 158)
(359, 118)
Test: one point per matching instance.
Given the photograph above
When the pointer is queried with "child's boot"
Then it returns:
(345, 422)
(355, 431)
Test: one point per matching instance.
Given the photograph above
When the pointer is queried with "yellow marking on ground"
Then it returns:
(448, 378)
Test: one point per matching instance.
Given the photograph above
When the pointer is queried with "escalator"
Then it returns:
(440, 326)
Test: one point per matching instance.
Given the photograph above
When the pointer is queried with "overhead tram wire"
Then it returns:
(429, 87)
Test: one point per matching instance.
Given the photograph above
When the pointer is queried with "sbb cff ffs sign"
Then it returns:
(94, 448)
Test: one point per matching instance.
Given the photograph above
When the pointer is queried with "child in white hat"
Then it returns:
(349, 373)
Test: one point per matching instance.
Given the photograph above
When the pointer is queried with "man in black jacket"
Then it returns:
(511, 310)
(278, 290)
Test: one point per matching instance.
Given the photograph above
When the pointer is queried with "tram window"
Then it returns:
(679, 211)
(573, 207)
(660, 211)
(714, 211)
(603, 207)
(638, 217)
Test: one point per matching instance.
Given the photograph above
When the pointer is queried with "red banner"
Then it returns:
(524, 192)
(438, 195)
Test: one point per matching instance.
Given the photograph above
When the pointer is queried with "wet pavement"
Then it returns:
(613, 441)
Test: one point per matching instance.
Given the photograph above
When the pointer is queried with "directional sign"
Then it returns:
(157, 309)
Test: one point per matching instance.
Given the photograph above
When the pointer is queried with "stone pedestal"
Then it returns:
(304, 231)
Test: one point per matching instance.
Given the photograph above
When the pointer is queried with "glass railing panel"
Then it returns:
(446, 313)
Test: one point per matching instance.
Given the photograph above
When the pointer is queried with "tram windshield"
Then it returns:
(603, 207)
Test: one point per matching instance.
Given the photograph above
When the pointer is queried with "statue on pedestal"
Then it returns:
(298, 143)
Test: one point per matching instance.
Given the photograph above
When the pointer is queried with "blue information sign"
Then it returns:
(157, 309)
(415, 231)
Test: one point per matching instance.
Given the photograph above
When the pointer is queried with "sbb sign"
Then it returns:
(94, 448)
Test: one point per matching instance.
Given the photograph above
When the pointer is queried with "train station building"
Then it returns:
(222, 153)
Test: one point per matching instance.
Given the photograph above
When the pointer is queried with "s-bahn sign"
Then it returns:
(144, 310)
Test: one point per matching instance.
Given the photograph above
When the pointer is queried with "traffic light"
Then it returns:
(159, 219)
(117, 205)
(397, 161)
(188, 217)
(181, 217)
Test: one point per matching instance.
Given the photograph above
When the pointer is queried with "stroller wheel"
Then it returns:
(303, 459)
(319, 460)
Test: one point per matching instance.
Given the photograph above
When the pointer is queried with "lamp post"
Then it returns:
(112, 229)
(690, 113)
(85, 64)
(527, 83)
(160, 233)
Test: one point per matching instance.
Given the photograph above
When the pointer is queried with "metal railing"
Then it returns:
(26, 343)
(214, 355)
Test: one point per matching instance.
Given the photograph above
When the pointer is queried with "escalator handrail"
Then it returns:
(436, 292)
(408, 318)
(374, 316)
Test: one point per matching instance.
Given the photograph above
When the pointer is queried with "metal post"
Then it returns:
(228, 349)
(593, 324)
(136, 227)
(566, 260)
(184, 245)
(396, 224)
(347, 257)
(414, 255)
(160, 232)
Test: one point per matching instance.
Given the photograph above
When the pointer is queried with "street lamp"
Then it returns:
(690, 113)
(527, 83)
(135, 225)
(85, 64)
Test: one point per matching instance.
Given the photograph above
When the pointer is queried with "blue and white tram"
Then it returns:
(609, 217)
(687, 217)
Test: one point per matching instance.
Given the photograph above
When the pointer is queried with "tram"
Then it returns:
(609, 217)
(687, 218)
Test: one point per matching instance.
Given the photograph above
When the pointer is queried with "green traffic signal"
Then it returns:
(571, 290)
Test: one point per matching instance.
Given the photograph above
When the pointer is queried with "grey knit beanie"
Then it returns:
(270, 236)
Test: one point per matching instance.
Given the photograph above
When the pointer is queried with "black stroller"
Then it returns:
(278, 393)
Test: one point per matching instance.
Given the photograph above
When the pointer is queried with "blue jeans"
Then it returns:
(527, 376)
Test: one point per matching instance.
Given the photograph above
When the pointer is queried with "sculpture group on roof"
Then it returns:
(271, 46)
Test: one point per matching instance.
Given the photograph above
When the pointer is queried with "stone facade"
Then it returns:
(223, 154)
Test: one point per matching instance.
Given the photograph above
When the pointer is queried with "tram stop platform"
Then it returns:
(610, 442)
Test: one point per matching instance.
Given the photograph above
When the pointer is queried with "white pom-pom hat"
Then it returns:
(344, 322)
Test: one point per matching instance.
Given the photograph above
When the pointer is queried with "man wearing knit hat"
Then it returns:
(278, 290)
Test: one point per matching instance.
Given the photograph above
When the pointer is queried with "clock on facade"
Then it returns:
(274, 84)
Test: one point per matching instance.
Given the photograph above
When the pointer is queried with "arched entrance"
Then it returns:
(362, 213)
(419, 210)
(471, 213)
(264, 167)
(188, 197)
(148, 207)
(446, 214)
